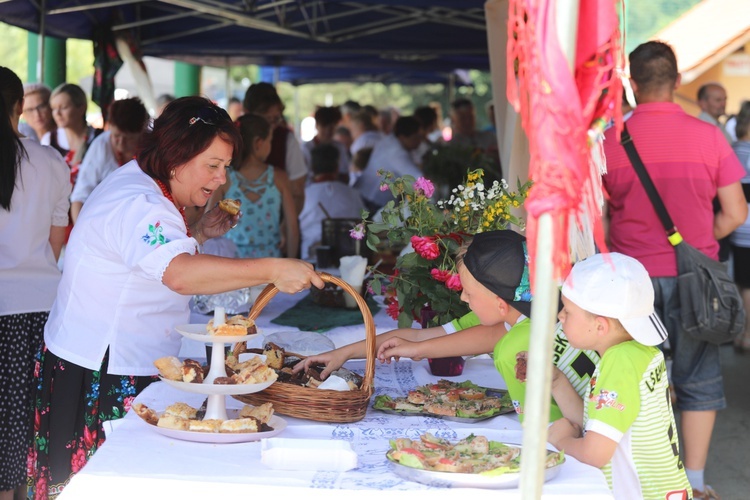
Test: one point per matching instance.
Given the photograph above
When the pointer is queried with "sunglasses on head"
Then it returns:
(210, 115)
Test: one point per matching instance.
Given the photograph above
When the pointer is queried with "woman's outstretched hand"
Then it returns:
(293, 276)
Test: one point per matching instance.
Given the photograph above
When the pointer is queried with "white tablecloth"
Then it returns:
(138, 462)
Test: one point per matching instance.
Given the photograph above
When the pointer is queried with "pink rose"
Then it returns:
(384, 187)
(454, 283)
(358, 232)
(425, 186)
(425, 246)
(393, 309)
(440, 274)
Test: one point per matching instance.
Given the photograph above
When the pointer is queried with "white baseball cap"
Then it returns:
(616, 286)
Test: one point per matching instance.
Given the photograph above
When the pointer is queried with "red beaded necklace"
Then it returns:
(168, 195)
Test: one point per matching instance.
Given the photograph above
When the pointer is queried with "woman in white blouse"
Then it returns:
(131, 267)
(34, 190)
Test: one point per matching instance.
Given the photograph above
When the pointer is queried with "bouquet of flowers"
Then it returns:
(425, 281)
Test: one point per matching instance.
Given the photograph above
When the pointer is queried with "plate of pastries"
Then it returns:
(182, 421)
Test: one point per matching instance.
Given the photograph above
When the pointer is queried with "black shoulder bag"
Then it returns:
(711, 307)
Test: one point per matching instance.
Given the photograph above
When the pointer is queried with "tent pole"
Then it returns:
(536, 410)
(297, 125)
(40, 42)
(227, 82)
(544, 306)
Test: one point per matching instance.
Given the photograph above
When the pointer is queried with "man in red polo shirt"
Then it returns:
(691, 164)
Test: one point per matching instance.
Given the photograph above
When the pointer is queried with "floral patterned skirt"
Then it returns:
(70, 404)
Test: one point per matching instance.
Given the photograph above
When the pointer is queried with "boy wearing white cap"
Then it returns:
(627, 421)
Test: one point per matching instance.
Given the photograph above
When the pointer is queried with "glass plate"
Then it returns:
(276, 423)
(462, 480)
(198, 332)
(465, 420)
(224, 390)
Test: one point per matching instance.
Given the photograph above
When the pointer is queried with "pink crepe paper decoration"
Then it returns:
(559, 108)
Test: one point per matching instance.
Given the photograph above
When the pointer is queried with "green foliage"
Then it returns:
(644, 18)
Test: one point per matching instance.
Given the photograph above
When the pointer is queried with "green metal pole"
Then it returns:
(187, 79)
(54, 54)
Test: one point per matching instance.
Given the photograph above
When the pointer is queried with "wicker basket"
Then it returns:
(318, 404)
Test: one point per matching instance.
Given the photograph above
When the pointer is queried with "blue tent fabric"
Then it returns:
(381, 35)
(301, 75)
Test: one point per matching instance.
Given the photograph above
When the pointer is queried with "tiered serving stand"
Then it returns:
(216, 407)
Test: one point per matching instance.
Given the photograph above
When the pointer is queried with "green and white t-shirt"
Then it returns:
(628, 402)
(577, 365)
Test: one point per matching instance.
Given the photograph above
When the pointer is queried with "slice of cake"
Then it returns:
(238, 425)
(192, 372)
(172, 422)
(235, 326)
(263, 412)
(274, 355)
(209, 425)
(181, 410)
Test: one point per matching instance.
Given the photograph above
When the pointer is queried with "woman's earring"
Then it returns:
(171, 174)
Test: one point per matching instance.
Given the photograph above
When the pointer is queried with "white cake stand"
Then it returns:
(217, 406)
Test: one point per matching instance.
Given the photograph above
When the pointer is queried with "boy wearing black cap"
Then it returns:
(628, 426)
(495, 278)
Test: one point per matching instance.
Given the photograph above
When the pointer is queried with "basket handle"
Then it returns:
(270, 291)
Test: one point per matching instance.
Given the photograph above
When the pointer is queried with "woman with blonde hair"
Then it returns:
(74, 134)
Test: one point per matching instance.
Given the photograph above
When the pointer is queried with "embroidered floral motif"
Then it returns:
(154, 235)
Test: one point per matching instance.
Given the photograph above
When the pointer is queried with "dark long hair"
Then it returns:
(251, 127)
(11, 148)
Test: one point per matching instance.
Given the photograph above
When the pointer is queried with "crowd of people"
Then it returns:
(135, 211)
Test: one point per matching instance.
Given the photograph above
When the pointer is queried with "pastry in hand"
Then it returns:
(169, 367)
(232, 207)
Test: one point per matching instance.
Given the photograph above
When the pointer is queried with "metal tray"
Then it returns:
(462, 480)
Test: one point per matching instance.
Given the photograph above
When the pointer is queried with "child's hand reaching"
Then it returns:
(333, 360)
(563, 429)
(396, 348)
